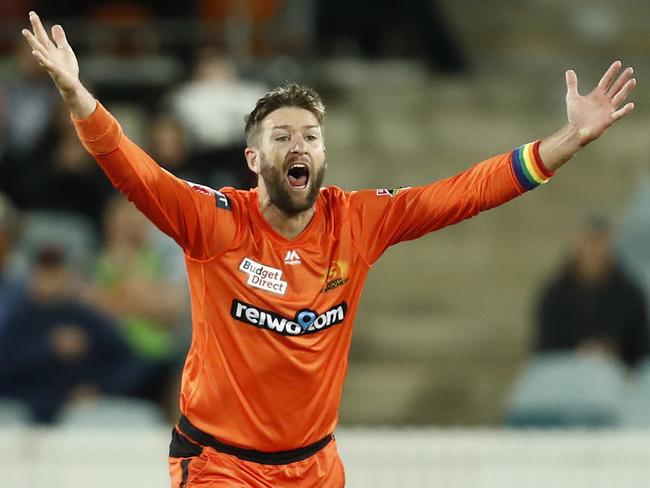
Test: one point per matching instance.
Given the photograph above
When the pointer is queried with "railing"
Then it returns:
(377, 458)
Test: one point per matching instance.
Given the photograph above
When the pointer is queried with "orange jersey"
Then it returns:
(272, 318)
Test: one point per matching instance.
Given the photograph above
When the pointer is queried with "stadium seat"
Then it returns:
(637, 409)
(13, 412)
(568, 390)
(112, 412)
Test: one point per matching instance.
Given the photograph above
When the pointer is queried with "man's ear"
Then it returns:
(253, 160)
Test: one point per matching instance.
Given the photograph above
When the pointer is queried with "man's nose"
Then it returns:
(299, 145)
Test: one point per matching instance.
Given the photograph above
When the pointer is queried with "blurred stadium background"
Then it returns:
(446, 325)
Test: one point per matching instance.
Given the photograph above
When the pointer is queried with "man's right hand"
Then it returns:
(58, 58)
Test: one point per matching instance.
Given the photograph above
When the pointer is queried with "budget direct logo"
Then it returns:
(305, 321)
(263, 277)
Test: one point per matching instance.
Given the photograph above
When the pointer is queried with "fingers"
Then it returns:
(39, 30)
(33, 42)
(42, 46)
(58, 34)
(622, 112)
(45, 62)
(620, 81)
(607, 78)
(571, 83)
(624, 92)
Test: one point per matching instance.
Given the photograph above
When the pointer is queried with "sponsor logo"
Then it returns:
(292, 257)
(201, 189)
(263, 277)
(220, 199)
(305, 321)
(386, 192)
(337, 275)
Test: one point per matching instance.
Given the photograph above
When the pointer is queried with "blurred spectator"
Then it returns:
(388, 28)
(131, 285)
(212, 107)
(634, 238)
(169, 146)
(56, 350)
(67, 179)
(11, 286)
(593, 306)
(27, 104)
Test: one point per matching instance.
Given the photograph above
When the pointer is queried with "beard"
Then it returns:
(279, 193)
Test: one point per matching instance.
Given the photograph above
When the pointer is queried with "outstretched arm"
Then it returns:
(58, 58)
(384, 217)
(589, 116)
(187, 212)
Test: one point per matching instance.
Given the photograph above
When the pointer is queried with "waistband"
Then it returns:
(196, 435)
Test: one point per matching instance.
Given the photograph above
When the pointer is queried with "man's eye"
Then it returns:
(282, 138)
(311, 137)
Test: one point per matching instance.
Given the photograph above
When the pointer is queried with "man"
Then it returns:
(275, 273)
(592, 306)
(55, 350)
(11, 286)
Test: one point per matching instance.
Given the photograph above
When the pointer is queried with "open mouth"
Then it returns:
(298, 176)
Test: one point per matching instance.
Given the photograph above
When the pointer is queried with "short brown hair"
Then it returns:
(286, 95)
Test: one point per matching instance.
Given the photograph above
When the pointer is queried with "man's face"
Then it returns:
(593, 255)
(292, 158)
(51, 284)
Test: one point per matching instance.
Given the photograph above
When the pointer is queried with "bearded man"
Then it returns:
(276, 272)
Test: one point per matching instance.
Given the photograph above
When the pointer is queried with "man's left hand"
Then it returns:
(590, 115)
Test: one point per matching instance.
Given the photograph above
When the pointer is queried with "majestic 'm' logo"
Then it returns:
(292, 257)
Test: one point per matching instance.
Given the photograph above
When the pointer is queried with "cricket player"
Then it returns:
(276, 272)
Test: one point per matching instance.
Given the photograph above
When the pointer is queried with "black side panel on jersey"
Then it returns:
(222, 200)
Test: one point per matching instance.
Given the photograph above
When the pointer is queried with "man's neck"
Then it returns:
(288, 226)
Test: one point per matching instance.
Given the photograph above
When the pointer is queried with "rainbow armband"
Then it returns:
(528, 166)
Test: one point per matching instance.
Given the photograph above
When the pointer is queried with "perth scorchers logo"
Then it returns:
(337, 275)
